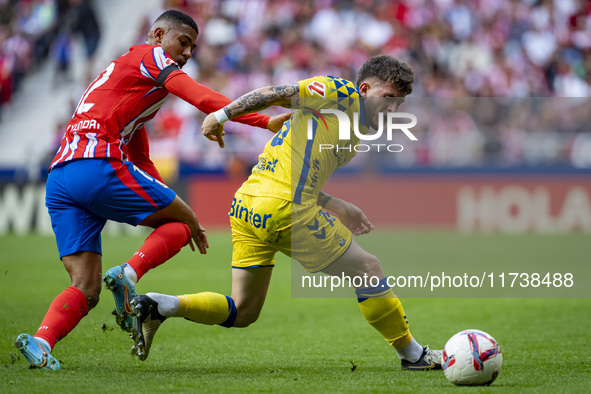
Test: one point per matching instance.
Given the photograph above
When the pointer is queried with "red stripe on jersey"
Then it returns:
(117, 103)
(128, 180)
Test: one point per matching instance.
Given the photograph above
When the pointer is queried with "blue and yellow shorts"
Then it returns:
(261, 226)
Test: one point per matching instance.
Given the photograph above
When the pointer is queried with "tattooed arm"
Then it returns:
(254, 101)
(262, 98)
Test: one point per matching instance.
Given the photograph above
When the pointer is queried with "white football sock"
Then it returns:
(130, 273)
(44, 342)
(167, 305)
(411, 352)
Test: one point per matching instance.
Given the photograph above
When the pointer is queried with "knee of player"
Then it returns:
(243, 323)
(372, 265)
(245, 319)
(91, 293)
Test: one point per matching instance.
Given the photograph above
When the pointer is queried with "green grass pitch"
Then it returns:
(298, 345)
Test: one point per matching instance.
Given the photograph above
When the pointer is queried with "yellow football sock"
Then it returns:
(206, 308)
(386, 315)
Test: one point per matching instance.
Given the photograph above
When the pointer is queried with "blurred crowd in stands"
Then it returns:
(472, 48)
(33, 31)
(457, 48)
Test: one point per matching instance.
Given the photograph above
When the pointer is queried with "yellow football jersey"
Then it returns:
(299, 159)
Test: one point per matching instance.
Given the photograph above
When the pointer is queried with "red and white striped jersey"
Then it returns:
(116, 104)
(124, 97)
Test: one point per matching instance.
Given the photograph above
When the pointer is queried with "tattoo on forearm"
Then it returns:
(286, 90)
(260, 99)
(323, 199)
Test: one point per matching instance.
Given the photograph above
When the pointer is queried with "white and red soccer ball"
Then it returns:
(472, 358)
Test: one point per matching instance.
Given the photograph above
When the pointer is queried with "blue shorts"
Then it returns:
(82, 195)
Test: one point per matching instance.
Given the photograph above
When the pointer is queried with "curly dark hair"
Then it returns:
(177, 17)
(388, 69)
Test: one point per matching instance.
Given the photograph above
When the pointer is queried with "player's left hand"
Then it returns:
(276, 121)
(212, 130)
(351, 216)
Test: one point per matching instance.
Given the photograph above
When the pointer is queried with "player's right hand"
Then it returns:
(212, 130)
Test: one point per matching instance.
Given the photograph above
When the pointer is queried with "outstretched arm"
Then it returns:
(262, 98)
(256, 100)
(350, 215)
(205, 99)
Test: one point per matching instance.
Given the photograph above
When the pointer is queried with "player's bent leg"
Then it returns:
(84, 269)
(72, 304)
(249, 291)
(176, 211)
(378, 304)
(179, 211)
(356, 262)
(249, 288)
(207, 308)
(65, 311)
(162, 244)
(152, 309)
(382, 309)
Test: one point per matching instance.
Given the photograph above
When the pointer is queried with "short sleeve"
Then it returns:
(314, 87)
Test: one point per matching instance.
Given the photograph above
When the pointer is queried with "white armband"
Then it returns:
(221, 116)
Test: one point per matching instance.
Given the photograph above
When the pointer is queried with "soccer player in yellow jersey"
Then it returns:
(281, 207)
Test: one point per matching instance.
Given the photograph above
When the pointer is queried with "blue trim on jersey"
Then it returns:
(154, 89)
(147, 72)
(306, 168)
(154, 57)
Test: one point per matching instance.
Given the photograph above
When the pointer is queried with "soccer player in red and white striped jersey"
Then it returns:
(110, 117)
(103, 171)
